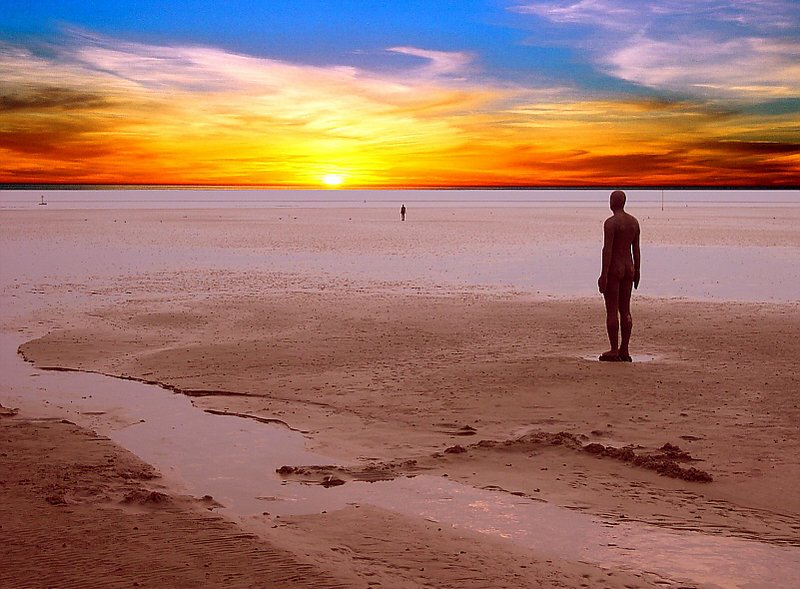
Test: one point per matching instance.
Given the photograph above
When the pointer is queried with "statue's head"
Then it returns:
(617, 200)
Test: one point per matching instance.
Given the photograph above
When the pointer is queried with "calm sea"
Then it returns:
(157, 197)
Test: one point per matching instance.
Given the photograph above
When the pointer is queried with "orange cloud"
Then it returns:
(110, 112)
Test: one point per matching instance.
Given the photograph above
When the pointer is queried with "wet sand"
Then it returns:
(482, 382)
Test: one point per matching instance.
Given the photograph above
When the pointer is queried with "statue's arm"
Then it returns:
(608, 249)
(637, 259)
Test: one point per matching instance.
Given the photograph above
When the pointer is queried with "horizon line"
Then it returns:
(221, 186)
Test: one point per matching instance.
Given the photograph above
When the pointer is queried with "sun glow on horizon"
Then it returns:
(332, 180)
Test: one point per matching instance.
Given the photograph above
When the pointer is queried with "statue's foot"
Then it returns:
(609, 357)
(625, 358)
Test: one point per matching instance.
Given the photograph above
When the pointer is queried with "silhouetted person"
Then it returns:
(402, 212)
(621, 263)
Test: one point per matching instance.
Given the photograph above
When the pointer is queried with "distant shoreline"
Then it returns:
(132, 186)
(233, 197)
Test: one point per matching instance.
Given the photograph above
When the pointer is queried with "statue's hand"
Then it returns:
(636, 279)
(601, 284)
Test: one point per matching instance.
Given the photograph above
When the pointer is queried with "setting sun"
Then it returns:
(333, 179)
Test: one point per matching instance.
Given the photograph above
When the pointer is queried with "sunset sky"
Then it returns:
(401, 93)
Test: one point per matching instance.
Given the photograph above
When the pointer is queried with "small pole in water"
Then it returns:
(43, 203)
(662, 199)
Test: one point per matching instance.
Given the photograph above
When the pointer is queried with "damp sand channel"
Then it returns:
(234, 460)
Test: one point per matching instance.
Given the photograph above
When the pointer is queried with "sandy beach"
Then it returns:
(457, 346)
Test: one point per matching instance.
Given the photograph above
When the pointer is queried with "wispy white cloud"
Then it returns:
(755, 68)
(746, 49)
(168, 72)
(439, 63)
(631, 14)
(606, 13)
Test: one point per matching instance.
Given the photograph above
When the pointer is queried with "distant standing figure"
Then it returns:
(403, 212)
(621, 263)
